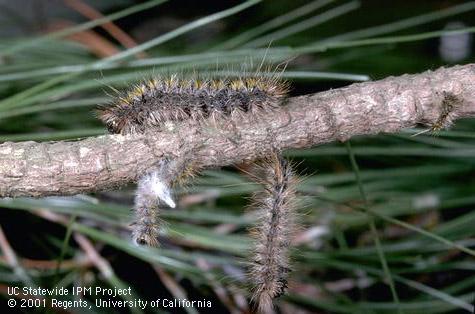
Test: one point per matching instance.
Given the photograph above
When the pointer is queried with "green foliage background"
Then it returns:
(387, 220)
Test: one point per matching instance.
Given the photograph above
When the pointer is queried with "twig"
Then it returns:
(105, 162)
(97, 44)
(175, 289)
(12, 259)
(101, 264)
(232, 300)
(51, 265)
(88, 11)
(7, 250)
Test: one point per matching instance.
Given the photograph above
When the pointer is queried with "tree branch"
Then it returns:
(105, 162)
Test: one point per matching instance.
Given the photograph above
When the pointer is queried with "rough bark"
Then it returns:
(105, 162)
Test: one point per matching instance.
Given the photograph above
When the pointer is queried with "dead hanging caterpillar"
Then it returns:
(153, 192)
(273, 231)
(159, 100)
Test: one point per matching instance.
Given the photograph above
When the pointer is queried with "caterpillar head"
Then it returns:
(117, 120)
(112, 127)
(145, 233)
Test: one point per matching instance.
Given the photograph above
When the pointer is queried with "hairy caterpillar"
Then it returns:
(157, 101)
(273, 232)
(448, 113)
(447, 116)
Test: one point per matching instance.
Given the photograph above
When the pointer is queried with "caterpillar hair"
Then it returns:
(448, 114)
(273, 232)
(175, 98)
(153, 193)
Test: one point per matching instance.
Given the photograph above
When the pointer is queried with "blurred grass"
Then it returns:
(418, 191)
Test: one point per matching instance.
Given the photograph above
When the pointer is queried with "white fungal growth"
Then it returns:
(155, 192)
(153, 186)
